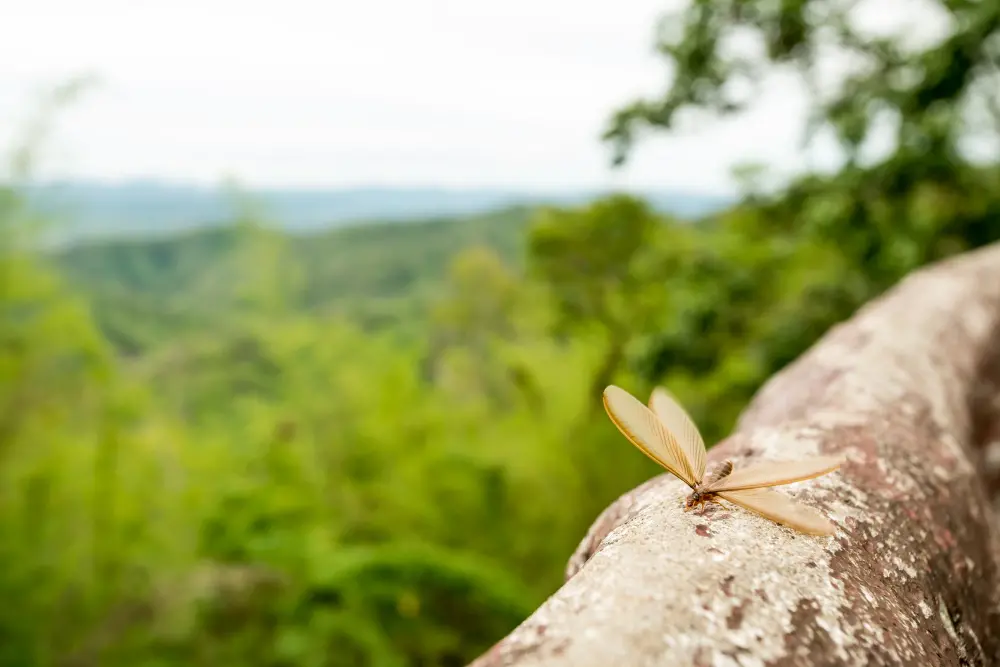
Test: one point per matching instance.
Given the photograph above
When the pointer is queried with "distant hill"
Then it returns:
(142, 208)
(144, 291)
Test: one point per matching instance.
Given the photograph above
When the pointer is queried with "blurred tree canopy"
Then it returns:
(935, 90)
(377, 446)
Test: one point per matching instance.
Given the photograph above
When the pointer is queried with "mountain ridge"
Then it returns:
(89, 209)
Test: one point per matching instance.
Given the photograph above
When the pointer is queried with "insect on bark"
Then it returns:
(666, 433)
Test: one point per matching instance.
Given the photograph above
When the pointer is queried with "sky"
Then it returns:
(343, 93)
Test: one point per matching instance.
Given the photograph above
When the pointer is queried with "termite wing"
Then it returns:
(666, 433)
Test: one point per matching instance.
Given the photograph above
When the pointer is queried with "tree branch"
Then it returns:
(908, 390)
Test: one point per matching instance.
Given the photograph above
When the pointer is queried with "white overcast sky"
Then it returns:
(305, 93)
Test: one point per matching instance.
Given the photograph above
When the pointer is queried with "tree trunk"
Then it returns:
(908, 390)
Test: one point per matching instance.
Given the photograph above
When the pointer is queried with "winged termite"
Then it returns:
(666, 433)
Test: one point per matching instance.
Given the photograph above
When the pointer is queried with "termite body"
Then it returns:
(702, 493)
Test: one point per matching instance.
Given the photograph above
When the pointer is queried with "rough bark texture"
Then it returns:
(908, 389)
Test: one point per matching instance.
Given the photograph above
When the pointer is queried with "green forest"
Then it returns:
(377, 446)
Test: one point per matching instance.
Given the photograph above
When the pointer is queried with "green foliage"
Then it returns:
(721, 52)
(602, 267)
(836, 241)
(274, 483)
(379, 275)
(589, 257)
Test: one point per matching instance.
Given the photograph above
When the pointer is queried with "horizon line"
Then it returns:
(221, 184)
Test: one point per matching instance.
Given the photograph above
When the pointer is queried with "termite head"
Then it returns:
(693, 500)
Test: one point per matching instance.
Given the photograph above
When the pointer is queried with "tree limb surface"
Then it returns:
(908, 390)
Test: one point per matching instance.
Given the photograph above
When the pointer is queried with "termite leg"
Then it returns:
(704, 503)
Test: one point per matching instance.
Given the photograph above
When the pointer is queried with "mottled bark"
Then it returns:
(908, 391)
